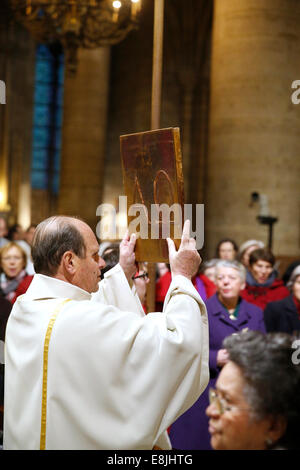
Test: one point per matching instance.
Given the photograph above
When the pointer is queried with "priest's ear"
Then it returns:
(68, 262)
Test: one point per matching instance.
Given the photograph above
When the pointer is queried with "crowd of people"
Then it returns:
(253, 319)
(242, 291)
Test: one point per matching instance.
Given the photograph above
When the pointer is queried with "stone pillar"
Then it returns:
(254, 126)
(17, 59)
(84, 135)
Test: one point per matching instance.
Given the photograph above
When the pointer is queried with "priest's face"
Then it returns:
(88, 269)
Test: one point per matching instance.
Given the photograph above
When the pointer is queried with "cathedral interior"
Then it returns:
(229, 82)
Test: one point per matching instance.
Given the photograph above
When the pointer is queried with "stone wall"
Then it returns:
(17, 53)
(254, 126)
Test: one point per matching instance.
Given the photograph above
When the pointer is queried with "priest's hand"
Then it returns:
(127, 255)
(186, 260)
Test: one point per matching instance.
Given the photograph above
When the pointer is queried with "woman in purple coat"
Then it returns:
(228, 313)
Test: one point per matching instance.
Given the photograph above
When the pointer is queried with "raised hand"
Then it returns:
(127, 255)
(186, 260)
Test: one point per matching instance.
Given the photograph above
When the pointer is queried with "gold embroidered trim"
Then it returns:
(45, 373)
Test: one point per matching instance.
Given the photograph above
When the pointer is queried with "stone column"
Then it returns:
(84, 135)
(254, 126)
(17, 59)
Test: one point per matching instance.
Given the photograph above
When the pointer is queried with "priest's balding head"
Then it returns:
(67, 249)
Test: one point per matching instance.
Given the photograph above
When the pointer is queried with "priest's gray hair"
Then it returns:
(53, 237)
(232, 264)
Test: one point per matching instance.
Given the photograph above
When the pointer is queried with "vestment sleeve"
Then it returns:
(184, 341)
(158, 367)
(115, 290)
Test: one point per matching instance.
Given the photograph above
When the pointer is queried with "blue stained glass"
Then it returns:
(43, 51)
(55, 183)
(39, 179)
(47, 119)
(56, 160)
(40, 157)
(59, 95)
(42, 116)
(57, 139)
(43, 94)
(59, 117)
(41, 137)
(43, 72)
(61, 73)
(41, 13)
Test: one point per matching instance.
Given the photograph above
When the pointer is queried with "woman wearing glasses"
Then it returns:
(140, 281)
(14, 280)
(227, 313)
(256, 404)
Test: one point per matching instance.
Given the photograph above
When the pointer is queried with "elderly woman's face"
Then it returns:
(233, 428)
(296, 288)
(12, 262)
(228, 282)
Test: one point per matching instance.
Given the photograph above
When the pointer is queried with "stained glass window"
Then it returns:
(47, 118)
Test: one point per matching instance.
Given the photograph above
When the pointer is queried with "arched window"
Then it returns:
(47, 118)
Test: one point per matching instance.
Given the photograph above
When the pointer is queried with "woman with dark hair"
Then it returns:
(15, 232)
(227, 249)
(284, 315)
(262, 284)
(256, 403)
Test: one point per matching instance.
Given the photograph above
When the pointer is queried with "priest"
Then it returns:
(85, 368)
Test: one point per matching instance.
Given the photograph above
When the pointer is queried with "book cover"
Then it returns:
(153, 184)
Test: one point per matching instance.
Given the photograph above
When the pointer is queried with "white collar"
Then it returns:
(47, 287)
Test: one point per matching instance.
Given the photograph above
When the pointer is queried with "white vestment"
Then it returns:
(117, 378)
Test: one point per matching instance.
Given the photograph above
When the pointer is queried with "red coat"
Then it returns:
(261, 296)
(22, 287)
(209, 286)
(161, 289)
(163, 284)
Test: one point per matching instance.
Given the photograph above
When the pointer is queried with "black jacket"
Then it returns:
(282, 316)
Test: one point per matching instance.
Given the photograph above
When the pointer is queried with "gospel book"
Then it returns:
(153, 184)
